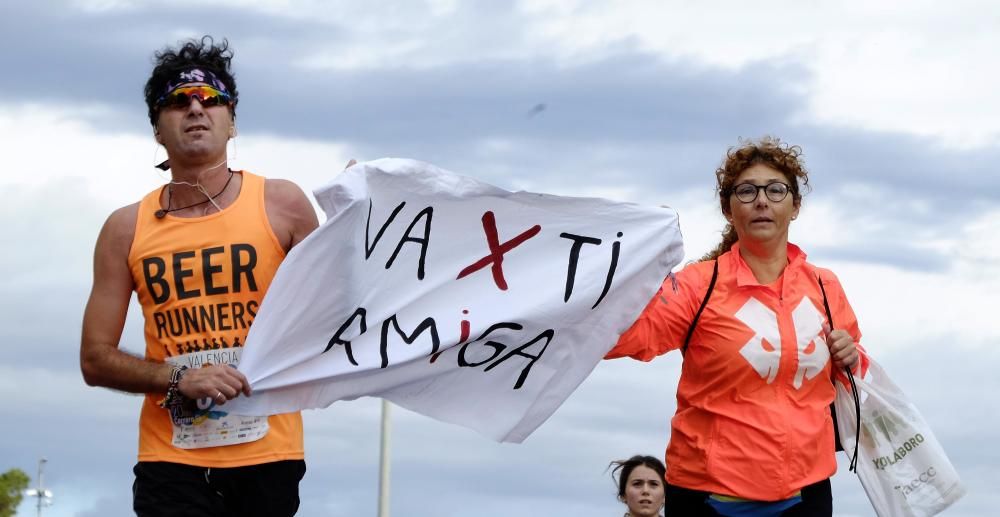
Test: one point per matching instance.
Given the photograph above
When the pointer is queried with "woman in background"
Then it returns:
(640, 485)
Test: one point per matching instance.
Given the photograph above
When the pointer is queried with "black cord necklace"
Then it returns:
(161, 213)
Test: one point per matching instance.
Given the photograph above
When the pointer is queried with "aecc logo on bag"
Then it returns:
(925, 477)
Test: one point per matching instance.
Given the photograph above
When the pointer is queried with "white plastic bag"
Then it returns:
(902, 467)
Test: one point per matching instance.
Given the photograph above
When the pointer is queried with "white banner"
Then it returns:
(452, 298)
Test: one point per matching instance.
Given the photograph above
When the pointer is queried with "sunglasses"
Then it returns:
(206, 95)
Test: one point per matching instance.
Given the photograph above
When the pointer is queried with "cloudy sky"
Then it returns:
(893, 103)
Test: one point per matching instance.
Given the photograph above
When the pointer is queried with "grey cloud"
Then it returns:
(51, 267)
(897, 251)
(61, 52)
(626, 118)
(120, 506)
(630, 98)
(86, 453)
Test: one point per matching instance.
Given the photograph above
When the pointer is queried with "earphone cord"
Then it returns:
(211, 199)
(197, 182)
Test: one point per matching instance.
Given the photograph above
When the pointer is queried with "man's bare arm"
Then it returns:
(101, 361)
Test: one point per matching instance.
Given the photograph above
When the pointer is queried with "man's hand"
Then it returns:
(843, 349)
(217, 382)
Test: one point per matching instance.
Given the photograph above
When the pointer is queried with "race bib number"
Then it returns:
(205, 424)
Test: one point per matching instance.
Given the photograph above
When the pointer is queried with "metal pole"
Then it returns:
(383, 467)
(41, 486)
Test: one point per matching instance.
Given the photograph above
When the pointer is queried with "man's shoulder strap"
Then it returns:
(697, 315)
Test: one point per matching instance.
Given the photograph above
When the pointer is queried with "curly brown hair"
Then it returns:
(204, 53)
(770, 151)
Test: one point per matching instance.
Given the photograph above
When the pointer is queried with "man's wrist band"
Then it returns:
(174, 396)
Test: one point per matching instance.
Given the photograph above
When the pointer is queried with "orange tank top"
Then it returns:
(200, 281)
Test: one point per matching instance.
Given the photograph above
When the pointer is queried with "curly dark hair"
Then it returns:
(770, 151)
(623, 469)
(200, 53)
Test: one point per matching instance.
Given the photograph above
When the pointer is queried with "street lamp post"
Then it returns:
(383, 470)
(43, 496)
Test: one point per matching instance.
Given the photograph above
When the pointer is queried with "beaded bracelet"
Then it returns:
(174, 397)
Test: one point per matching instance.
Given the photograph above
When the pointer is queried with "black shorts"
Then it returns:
(164, 489)
(817, 501)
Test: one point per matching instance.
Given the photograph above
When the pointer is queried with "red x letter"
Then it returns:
(497, 250)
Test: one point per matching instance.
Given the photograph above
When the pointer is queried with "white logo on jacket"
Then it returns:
(813, 352)
(763, 350)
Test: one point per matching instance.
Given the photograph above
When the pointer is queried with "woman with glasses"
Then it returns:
(752, 434)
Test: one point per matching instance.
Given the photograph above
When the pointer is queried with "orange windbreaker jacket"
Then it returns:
(753, 401)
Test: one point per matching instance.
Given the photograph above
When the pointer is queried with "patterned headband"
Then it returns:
(194, 75)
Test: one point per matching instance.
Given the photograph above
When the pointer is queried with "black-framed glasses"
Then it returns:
(775, 191)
